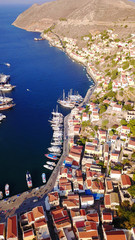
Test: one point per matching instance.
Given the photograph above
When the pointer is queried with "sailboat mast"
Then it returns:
(63, 95)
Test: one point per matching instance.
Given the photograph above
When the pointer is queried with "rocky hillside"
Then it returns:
(76, 18)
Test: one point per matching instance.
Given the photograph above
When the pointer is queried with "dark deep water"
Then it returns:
(25, 134)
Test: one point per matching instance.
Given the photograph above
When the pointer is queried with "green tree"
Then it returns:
(86, 109)
(131, 190)
(102, 109)
(127, 107)
(92, 134)
(85, 123)
(134, 177)
(110, 85)
(132, 126)
(133, 155)
(111, 133)
(114, 74)
(105, 122)
(96, 128)
(125, 65)
(123, 122)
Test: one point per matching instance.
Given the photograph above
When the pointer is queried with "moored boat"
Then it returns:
(2, 116)
(51, 156)
(6, 87)
(43, 177)
(1, 195)
(51, 163)
(7, 189)
(28, 179)
(48, 167)
(5, 100)
(4, 78)
(6, 106)
(54, 149)
(71, 101)
(56, 143)
(56, 154)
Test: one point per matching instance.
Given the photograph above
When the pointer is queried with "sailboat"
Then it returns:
(5, 102)
(71, 100)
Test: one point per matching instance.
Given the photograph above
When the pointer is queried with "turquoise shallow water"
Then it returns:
(46, 71)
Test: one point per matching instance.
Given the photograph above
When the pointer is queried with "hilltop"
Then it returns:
(75, 18)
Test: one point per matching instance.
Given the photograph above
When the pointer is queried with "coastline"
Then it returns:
(29, 199)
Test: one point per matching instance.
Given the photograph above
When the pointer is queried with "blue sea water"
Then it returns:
(25, 135)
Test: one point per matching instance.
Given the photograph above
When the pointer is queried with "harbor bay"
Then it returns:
(40, 73)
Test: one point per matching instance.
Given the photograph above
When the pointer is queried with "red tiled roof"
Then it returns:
(125, 127)
(107, 227)
(28, 233)
(125, 180)
(59, 213)
(88, 235)
(79, 173)
(116, 171)
(38, 212)
(107, 216)
(39, 223)
(87, 198)
(2, 227)
(93, 217)
(12, 227)
(75, 163)
(117, 235)
(80, 224)
(82, 212)
(131, 142)
(30, 217)
(107, 199)
(53, 196)
(109, 185)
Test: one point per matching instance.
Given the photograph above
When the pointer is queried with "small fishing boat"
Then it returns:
(48, 167)
(2, 116)
(7, 190)
(43, 177)
(1, 195)
(28, 179)
(7, 64)
(51, 156)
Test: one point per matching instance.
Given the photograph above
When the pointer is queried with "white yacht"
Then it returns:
(48, 167)
(54, 149)
(51, 163)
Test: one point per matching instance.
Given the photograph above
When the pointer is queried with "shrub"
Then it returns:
(105, 122)
(62, 19)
